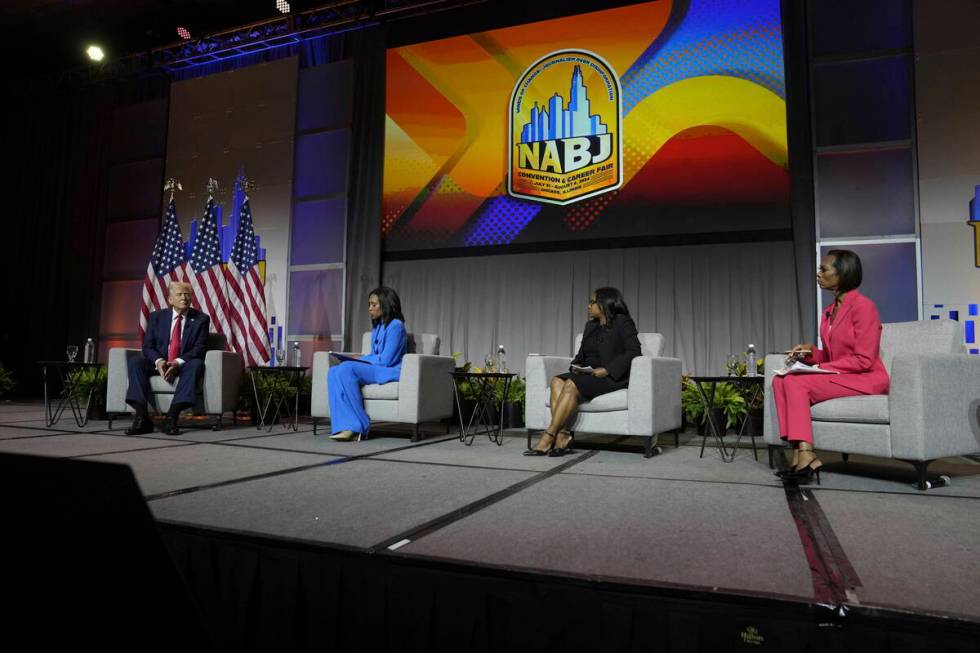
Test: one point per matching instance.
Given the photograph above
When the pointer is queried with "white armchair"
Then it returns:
(649, 406)
(219, 383)
(930, 411)
(423, 392)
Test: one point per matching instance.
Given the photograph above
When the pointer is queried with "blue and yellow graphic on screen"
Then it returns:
(699, 130)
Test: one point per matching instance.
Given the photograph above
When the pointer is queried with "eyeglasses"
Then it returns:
(592, 301)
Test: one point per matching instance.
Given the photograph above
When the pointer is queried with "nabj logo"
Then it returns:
(565, 149)
(751, 636)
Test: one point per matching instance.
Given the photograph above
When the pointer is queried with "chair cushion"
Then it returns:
(866, 409)
(383, 391)
(157, 384)
(606, 403)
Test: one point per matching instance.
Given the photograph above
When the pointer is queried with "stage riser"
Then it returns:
(260, 595)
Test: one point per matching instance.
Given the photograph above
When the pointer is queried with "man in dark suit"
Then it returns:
(174, 348)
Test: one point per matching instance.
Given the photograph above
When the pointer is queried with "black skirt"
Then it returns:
(590, 386)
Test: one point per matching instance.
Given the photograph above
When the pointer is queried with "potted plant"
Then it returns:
(691, 404)
(513, 416)
(729, 401)
(7, 382)
(92, 380)
(467, 400)
(753, 412)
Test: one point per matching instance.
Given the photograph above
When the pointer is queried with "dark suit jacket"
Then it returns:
(618, 345)
(156, 341)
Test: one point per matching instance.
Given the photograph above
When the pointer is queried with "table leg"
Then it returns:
(500, 414)
(745, 422)
(47, 405)
(259, 411)
(708, 402)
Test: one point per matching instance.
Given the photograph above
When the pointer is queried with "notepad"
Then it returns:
(346, 357)
(587, 369)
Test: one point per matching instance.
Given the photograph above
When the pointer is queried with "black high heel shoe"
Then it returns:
(546, 452)
(561, 451)
(805, 475)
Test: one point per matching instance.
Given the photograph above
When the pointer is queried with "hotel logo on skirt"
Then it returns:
(563, 150)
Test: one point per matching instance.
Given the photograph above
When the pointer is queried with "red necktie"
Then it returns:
(175, 340)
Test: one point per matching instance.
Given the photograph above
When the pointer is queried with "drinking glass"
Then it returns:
(281, 357)
(732, 364)
(72, 351)
(490, 364)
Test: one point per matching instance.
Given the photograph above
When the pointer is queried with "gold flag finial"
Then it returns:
(212, 186)
(248, 185)
(173, 186)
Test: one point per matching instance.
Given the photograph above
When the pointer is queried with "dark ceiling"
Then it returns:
(51, 36)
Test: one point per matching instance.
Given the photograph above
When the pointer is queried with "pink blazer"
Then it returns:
(851, 346)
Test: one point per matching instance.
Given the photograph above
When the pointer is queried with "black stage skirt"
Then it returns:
(590, 386)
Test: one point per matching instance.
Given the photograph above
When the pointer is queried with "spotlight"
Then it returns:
(184, 33)
(283, 6)
(95, 53)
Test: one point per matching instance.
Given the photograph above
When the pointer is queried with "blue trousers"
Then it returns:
(140, 371)
(344, 392)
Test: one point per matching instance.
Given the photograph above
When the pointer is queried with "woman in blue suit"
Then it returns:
(383, 365)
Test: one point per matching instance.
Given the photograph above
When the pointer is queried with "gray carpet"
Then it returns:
(734, 537)
(358, 503)
(193, 465)
(916, 552)
(482, 453)
(82, 444)
(12, 431)
(320, 443)
(204, 433)
(681, 464)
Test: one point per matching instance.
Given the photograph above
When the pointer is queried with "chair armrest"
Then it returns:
(222, 374)
(654, 395)
(322, 362)
(933, 401)
(770, 421)
(117, 376)
(540, 370)
(425, 388)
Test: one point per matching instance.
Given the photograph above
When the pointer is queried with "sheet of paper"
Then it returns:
(801, 368)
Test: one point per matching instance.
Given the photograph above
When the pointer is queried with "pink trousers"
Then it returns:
(794, 394)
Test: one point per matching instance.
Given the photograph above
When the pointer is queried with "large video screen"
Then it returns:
(654, 119)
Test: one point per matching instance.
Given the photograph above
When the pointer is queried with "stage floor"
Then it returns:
(864, 537)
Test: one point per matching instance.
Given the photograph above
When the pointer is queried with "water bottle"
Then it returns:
(89, 356)
(750, 368)
(296, 355)
(501, 359)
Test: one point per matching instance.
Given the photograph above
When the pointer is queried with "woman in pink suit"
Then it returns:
(851, 334)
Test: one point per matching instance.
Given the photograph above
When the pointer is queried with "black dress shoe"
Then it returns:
(141, 425)
(169, 425)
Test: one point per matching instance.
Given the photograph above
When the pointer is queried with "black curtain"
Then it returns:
(800, 141)
(363, 271)
(57, 139)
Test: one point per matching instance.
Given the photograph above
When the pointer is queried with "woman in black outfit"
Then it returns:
(609, 344)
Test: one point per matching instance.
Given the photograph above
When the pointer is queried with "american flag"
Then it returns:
(246, 294)
(166, 265)
(206, 275)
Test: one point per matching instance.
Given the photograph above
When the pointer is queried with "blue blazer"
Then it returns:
(193, 338)
(388, 345)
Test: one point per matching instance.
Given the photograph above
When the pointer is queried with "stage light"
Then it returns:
(283, 6)
(95, 53)
(184, 33)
